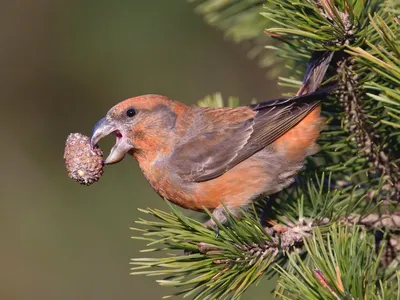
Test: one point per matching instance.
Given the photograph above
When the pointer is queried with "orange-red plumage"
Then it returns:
(203, 157)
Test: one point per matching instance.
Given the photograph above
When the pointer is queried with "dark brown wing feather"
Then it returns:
(211, 147)
(227, 140)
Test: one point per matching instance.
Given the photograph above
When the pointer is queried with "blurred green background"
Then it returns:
(63, 64)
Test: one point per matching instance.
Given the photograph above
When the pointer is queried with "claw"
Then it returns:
(212, 225)
(216, 230)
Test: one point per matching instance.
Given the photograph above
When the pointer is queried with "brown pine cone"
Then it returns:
(84, 164)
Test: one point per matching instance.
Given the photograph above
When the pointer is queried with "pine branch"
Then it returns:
(353, 143)
(215, 268)
(240, 256)
(225, 266)
(356, 122)
(340, 265)
(384, 59)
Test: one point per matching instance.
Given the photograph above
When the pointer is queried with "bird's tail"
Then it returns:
(306, 98)
(308, 92)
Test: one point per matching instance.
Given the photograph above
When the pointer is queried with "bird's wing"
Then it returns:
(232, 135)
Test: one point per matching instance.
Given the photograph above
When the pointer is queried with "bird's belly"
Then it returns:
(263, 173)
(242, 184)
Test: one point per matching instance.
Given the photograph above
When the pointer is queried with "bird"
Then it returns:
(216, 159)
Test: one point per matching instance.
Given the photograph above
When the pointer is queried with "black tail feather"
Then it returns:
(311, 97)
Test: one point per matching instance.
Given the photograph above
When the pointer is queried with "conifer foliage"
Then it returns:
(335, 234)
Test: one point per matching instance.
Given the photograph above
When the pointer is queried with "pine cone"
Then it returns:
(84, 164)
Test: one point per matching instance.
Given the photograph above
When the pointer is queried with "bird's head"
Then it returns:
(142, 123)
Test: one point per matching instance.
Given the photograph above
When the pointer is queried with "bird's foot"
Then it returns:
(219, 214)
(266, 213)
(212, 225)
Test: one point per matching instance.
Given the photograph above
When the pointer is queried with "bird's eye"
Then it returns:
(130, 112)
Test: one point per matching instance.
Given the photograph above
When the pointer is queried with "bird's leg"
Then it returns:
(220, 215)
(266, 211)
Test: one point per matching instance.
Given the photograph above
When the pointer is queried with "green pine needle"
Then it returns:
(342, 264)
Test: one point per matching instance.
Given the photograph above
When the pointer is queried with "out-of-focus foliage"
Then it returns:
(241, 21)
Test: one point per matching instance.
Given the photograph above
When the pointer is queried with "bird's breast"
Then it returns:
(167, 184)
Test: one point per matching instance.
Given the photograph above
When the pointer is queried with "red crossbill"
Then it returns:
(200, 157)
